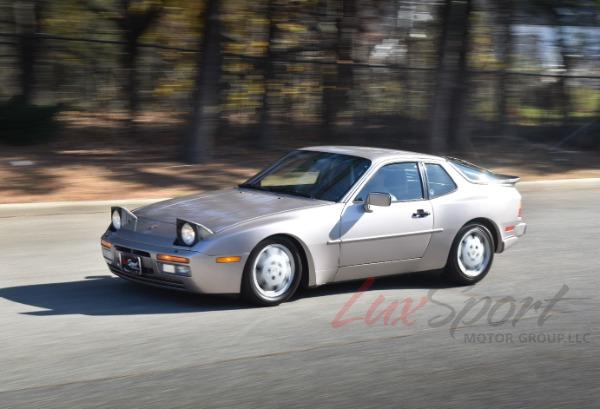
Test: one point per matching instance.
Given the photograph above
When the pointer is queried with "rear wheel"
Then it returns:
(272, 273)
(471, 255)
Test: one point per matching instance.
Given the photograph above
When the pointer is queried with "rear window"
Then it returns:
(472, 173)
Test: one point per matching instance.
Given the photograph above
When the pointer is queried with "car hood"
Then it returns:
(220, 209)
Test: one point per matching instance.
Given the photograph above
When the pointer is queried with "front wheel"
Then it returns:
(272, 273)
(471, 255)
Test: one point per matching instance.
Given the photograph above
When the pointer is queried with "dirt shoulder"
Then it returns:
(94, 161)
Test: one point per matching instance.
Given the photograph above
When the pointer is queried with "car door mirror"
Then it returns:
(377, 199)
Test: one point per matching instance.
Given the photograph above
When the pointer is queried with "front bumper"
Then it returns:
(511, 239)
(155, 280)
(206, 275)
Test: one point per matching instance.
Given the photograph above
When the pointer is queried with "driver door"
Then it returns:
(397, 232)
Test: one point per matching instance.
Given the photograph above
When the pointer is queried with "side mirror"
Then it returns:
(377, 199)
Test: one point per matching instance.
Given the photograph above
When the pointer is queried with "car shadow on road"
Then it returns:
(428, 280)
(107, 295)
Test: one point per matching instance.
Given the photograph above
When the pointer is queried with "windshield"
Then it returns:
(318, 175)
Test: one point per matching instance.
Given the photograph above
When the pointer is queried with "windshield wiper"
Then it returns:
(295, 193)
(250, 186)
(292, 192)
(275, 190)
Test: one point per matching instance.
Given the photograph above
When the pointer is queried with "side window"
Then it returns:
(401, 180)
(438, 180)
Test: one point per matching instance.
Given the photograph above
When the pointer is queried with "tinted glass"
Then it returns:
(438, 181)
(319, 175)
(472, 172)
(401, 180)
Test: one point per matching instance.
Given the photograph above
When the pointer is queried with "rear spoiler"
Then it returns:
(505, 179)
(482, 175)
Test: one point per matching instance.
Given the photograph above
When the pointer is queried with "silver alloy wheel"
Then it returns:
(273, 270)
(474, 252)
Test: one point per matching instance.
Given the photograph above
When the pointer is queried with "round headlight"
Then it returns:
(116, 219)
(188, 234)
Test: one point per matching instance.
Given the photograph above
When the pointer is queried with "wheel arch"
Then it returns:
(308, 274)
(491, 226)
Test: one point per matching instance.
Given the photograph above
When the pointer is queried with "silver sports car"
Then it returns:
(321, 215)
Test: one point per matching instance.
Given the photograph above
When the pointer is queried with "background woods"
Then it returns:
(439, 76)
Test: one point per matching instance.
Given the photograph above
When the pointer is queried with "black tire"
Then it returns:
(458, 272)
(250, 290)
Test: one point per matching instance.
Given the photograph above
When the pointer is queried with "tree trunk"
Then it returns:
(133, 24)
(27, 22)
(565, 97)
(130, 57)
(441, 94)
(458, 129)
(448, 127)
(504, 43)
(407, 78)
(338, 78)
(205, 114)
(265, 135)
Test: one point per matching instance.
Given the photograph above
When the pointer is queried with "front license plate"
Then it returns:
(130, 263)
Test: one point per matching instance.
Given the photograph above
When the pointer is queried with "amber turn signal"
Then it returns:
(106, 244)
(172, 259)
(229, 259)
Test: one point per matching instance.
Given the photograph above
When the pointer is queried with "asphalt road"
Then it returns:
(73, 336)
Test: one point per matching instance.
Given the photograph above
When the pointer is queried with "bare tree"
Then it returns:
(267, 66)
(565, 96)
(133, 20)
(448, 117)
(27, 18)
(205, 114)
(503, 44)
(338, 78)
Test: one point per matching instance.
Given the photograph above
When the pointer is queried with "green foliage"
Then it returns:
(26, 124)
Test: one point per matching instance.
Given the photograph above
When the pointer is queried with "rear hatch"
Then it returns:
(477, 174)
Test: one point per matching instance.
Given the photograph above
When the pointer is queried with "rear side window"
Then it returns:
(438, 181)
(472, 172)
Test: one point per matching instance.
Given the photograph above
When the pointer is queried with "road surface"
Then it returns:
(74, 336)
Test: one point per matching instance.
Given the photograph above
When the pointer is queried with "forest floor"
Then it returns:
(93, 160)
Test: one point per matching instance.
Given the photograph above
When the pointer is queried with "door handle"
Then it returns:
(420, 213)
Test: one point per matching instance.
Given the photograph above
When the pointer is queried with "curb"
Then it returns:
(544, 185)
(75, 207)
(557, 182)
(100, 206)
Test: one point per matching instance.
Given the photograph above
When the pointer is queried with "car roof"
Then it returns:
(374, 154)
